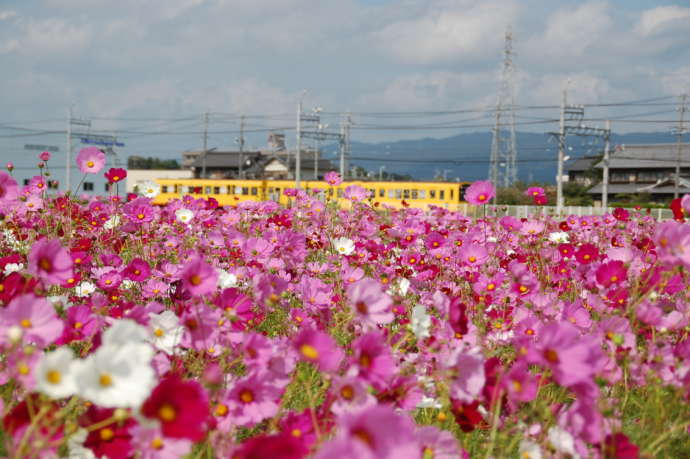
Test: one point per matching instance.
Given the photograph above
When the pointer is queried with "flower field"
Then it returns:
(257, 331)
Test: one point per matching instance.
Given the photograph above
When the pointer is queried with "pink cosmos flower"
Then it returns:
(351, 394)
(332, 178)
(90, 160)
(8, 187)
(469, 377)
(480, 192)
(371, 304)
(472, 254)
(198, 277)
(151, 443)
(356, 193)
(519, 384)
(319, 348)
(45, 156)
(34, 317)
(49, 261)
(374, 432)
(685, 204)
(139, 210)
(572, 357)
(372, 356)
(250, 400)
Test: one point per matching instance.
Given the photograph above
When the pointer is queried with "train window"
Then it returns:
(340, 192)
(216, 190)
(372, 192)
(442, 194)
(422, 194)
(451, 194)
(382, 193)
(432, 194)
(245, 190)
(164, 189)
(414, 194)
(390, 194)
(254, 191)
(330, 192)
(398, 194)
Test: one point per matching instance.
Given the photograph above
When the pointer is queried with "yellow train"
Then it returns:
(231, 192)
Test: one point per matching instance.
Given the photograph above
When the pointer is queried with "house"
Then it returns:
(635, 169)
(260, 164)
(580, 170)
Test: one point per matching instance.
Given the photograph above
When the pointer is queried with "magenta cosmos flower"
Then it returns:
(371, 304)
(480, 192)
(49, 261)
(198, 277)
(90, 160)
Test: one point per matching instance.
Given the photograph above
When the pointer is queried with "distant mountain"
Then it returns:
(466, 156)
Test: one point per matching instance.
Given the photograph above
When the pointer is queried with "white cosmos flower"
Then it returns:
(562, 441)
(54, 375)
(226, 280)
(403, 286)
(149, 189)
(529, 450)
(184, 215)
(124, 331)
(420, 322)
(112, 222)
(116, 376)
(343, 245)
(559, 236)
(429, 402)
(13, 268)
(167, 331)
(76, 448)
(85, 289)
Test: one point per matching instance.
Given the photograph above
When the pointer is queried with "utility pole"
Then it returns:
(561, 154)
(681, 131)
(345, 145)
(241, 142)
(605, 179)
(298, 154)
(381, 173)
(203, 161)
(68, 183)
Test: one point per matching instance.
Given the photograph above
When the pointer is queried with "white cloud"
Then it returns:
(658, 19)
(571, 32)
(440, 90)
(448, 31)
(5, 15)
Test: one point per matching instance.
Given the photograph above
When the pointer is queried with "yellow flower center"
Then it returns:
(25, 323)
(157, 443)
(53, 377)
(221, 410)
(105, 380)
(309, 352)
(107, 434)
(158, 332)
(246, 396)
(167, 412)
(90, 164)
(195, 279)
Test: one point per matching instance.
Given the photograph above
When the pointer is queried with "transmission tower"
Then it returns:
(503, 167)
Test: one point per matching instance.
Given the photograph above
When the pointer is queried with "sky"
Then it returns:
(148, 69)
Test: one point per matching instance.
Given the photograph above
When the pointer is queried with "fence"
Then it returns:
(536, 211)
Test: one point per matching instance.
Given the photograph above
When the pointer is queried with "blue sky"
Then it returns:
(125, 61)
